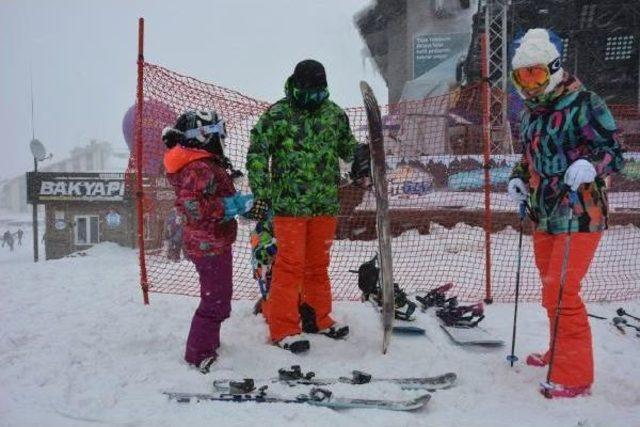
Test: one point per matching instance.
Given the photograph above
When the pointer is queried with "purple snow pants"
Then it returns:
(215, 305)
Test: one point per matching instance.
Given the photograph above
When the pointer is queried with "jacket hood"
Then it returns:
(178, 157)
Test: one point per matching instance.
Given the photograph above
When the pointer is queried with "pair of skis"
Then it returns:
(227, 390)
(316, 397)
(439, 382)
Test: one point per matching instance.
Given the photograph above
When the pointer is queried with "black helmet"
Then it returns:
(197, 129)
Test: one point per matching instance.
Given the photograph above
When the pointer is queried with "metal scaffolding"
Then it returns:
(497, 65)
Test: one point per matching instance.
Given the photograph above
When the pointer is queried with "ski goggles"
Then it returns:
(204, 131)
(534, 76)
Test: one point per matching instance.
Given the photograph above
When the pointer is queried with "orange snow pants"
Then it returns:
(573, 360)
(300, 290)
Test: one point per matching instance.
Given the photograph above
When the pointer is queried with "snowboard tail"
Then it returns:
(476, 336)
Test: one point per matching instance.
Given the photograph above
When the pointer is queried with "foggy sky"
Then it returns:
(83, 58)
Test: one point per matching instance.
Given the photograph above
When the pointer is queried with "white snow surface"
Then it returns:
(78, 348)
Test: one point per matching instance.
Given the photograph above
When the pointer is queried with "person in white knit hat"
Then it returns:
(569, 143)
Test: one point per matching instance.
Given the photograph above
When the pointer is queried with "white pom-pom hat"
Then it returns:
(539, 47)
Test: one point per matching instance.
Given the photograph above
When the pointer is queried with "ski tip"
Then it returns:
(452, 376)
(364, 86)
(419, 402)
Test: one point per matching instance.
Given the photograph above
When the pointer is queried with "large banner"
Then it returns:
(74, 187)
(432, 50)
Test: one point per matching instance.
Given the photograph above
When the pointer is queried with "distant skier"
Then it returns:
(293, 166)
(19, 233)
(173, 235)
(569, 144)
(7, 239)
(205, 196)
(10, 241)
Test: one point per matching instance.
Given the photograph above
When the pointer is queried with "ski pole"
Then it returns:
(621, 312)
(573, 199)
(596, 316)
(512, 358)
(621, 321)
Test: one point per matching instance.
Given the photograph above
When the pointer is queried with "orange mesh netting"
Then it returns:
(436, 186)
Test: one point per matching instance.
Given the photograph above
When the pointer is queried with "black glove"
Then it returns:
(258, 212)
(361, 166)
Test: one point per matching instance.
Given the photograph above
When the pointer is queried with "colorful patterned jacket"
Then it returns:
(200, 183)
(292, 161)
(573, 124)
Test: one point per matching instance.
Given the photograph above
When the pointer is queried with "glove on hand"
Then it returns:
(580, 172)
(238, 204)
(259, 211)
(361, 166)
(518, 191)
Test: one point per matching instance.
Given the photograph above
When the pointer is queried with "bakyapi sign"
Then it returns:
(61, 186)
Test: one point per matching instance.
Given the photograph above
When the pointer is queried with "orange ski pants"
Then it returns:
(300, 293)
(573, 359)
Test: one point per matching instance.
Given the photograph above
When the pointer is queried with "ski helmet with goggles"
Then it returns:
(197, 129)
(536, 62)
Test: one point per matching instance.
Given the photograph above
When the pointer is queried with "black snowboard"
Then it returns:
(378, 175)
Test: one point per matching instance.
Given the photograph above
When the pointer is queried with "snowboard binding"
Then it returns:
(436, 297)
(357, 377)
(294, 374)
(369, 284)
(245, 386)
(404, 308)
(467, 316)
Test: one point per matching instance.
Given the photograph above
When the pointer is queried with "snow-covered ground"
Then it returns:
(78, 348)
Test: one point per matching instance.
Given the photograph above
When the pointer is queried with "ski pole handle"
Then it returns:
(622, 312)
(573, 198)
(523, 210)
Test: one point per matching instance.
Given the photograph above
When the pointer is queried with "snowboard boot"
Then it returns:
(337, 331)
(552, 390)
(294, 343)
(537, 359)
(205, 365)
(257, 308)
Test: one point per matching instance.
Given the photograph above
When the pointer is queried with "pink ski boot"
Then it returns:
(552, 390)
(536, 359)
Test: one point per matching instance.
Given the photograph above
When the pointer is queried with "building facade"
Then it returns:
(83, 209)
(97, 156)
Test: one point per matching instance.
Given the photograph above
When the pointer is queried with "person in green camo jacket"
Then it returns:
(293, 166)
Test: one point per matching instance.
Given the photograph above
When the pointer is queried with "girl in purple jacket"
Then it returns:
(207, 200)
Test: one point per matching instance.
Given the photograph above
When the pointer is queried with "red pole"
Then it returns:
(486, 142)
(138, 141)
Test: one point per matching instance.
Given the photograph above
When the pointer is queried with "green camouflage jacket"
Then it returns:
(292, 161)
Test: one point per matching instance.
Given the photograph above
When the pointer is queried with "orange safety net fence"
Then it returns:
(436, 186)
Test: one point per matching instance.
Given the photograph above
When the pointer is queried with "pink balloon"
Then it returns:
(156, 115)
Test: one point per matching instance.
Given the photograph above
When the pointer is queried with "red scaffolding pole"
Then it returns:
(144, 284)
